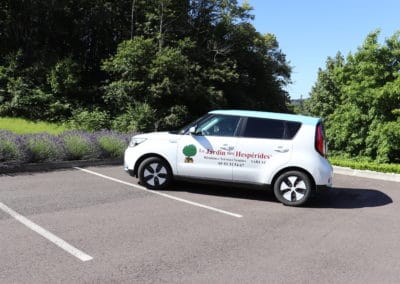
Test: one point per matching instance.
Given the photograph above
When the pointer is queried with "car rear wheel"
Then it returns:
(154, 173)
(293, 188)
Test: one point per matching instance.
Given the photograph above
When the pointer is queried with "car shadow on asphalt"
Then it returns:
(224, 191)
(334, 198)
(349, 198)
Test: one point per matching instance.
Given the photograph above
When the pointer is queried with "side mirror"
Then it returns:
(192, 130)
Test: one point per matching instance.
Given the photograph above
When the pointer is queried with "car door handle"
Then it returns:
(281, 149)
(226, 147)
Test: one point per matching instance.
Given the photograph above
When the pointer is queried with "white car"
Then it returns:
(282, 151)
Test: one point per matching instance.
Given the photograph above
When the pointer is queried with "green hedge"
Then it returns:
(363, 164)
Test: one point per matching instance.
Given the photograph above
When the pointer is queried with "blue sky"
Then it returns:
(309, 31)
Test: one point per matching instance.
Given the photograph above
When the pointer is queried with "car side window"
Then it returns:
(292, 128)
(218, 125)
(264, 128)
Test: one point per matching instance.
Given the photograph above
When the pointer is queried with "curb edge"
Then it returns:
(366, 174)
(10, 168)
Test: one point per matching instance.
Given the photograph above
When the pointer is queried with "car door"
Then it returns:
(208, 151)
(262, 147)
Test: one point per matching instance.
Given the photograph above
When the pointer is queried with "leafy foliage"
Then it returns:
(176, 117)
(360, 99)
(361, 164)
(172, 59)
(22, 96)
(93, 120)
(139, 118)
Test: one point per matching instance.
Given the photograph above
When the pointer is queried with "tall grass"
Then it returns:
(23, 126)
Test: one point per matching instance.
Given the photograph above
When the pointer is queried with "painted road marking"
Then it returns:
(161, 194)
(46, 234)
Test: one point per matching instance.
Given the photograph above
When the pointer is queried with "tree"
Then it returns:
(360, 99)
(325, 95)
(180, 58)
(162, 79)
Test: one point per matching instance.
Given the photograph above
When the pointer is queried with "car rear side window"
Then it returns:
(264, 128)
(292, 128)
(270, 128)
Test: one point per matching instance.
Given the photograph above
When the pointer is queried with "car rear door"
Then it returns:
(262, 147)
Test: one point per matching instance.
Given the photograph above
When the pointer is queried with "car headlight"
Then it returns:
(136, 141)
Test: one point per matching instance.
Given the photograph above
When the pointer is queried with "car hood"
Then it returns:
(155, 135)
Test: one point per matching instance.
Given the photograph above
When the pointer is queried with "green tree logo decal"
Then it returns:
(189, 151)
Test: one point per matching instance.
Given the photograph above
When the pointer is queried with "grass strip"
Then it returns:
(23, 126)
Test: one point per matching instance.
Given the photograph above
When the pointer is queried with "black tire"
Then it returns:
(154, 173)
(293, 188)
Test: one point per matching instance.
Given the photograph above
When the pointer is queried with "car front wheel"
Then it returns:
(154, 173)
(293, 188)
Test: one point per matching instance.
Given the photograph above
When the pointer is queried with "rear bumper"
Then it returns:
(324, 175)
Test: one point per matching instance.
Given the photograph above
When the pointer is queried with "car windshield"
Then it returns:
(185, 129)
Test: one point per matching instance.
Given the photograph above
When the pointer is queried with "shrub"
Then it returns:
(112, 144)
(139, 118)
(364, 163)
(44, 147)
(123, 123)
(80, 145)
(64, 77)
(383, 142)
(176, 117)
(90, 120)
(11, 147)
(71, 145)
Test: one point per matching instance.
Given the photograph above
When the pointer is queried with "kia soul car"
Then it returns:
(284, 152)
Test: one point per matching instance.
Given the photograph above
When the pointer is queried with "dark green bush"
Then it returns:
(363, 163)
(177, 117)
(94, 120)
(383, 142)
(141, 118)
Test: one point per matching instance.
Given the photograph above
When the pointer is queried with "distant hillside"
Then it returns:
(298, 102)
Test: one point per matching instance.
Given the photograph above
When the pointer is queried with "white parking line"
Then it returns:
(46, 234)
(162, 194)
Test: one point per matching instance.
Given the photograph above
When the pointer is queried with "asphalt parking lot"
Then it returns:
(98, 225)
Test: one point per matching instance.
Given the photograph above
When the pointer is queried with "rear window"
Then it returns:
(270, 128)
(292, 128)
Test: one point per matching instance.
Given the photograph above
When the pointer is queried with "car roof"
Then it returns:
(271, 115)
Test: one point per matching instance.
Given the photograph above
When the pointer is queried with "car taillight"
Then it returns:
(320, 140)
